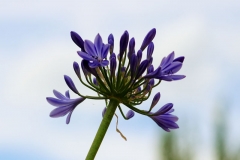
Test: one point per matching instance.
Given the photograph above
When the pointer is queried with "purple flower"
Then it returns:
(168, 67)
(64, 105)
(95, 53)
(164, 119)
(129, 79)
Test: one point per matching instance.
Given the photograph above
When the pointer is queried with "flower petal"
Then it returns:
(59, 95)
(69, 117)
(86, 56)
(89, 48)
(104, 51)
(61, 111)
(179, 59)
(98, 44)
(172, 68)
(177, 77)
(59, 102)
(67, 94)
(163, 109)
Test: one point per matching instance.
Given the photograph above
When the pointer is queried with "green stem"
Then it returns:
(102, 129)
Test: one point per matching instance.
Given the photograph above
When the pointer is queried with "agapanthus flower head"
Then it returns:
(125, 77)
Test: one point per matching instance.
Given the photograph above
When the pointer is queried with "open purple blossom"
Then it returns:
(127, 77)
(64, 105)
(95, 53)
(164, 118)
(167, 69)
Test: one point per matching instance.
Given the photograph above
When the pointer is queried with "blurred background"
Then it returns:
(36, 51)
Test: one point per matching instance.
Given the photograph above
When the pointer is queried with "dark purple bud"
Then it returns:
(151, 82)
(86, 73)
(76, 69)
(111, 42)
(133, 64)
(113, 64)
(150, 69)
(123, 43)
(155, 100)
(95, 81)
(139, 89)
(150, 50)
(113, 55)
(179, 59)
(149, 37)
(130, 114)
(70, 84)
(77, 40)
(131, 47)
(104, 111)
(85, 63)
(141, 69)
(139, 56)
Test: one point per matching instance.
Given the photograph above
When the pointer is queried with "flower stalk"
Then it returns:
(107, 118)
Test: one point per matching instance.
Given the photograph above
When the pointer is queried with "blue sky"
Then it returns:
(36, 51)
